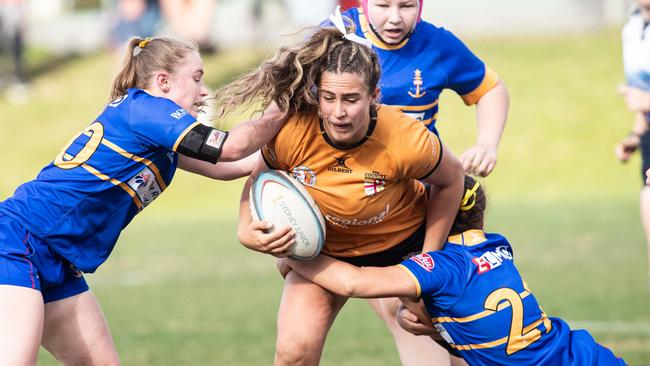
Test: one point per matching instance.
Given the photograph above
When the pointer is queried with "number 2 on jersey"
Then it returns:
(67, 161)
(517, 339)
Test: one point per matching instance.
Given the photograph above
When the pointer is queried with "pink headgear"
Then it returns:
(364, 5)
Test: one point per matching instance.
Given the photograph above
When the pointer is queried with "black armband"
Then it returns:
(203, 142)
(448, 347)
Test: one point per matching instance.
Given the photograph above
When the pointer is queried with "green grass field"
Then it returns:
(180, 290)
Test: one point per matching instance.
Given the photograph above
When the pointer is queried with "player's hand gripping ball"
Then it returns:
(282, 200)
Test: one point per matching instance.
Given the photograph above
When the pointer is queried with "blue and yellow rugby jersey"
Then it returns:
(109, 172)
(415, 72)
(484, 310)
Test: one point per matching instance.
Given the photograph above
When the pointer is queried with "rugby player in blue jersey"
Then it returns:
(477, 302)
(66, 221)
(419, 60)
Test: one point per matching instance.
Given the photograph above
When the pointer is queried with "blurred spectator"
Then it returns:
(636, 63)
(139, 18)
(191, 20)
(12, 25)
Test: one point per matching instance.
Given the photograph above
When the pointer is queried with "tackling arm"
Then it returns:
(351, 281)
(248, 137)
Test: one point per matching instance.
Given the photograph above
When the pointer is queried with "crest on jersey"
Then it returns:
(417, 85)
(304, 175)
(145, 186)
(425, 261)
(374, 183)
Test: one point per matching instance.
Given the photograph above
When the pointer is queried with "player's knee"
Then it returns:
(295, 352)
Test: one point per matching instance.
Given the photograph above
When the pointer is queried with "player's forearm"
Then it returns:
(640, 124)
(329, 273)
(491, 116)
(248, 137)
(220, 171)
(447, 184)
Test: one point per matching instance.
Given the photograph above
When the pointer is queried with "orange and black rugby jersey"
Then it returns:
(369, 193)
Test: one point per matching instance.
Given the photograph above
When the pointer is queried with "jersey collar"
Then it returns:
(468, 238)
(370, 34)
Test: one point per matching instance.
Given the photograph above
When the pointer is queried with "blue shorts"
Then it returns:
(27, 261)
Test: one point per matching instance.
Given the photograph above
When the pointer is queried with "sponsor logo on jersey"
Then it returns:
(417, 85)
(304, 175)
(346, 223)
(179, 113)
(339, 166)
(145, 186)
(216, 139)
(425, 261)
(118, 101)
(374, 183)
(492, 259)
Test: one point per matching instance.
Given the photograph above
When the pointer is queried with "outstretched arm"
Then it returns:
(248, 137)
(222, 171)
(491, 116)
(351, 281)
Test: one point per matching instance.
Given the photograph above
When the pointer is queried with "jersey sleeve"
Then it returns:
(467, 75)
(159, 122)
(276, 153)
(420, 148)
(438, 276)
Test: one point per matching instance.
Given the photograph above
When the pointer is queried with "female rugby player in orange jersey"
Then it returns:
(360, 161)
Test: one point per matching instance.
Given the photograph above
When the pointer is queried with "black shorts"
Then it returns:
(392, 256)
(645, 155)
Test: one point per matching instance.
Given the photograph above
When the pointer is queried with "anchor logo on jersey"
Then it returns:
(417, 82)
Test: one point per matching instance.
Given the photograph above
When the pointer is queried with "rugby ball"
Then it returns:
(282, 200)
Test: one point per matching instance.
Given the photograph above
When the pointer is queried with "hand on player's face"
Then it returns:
(261, 236)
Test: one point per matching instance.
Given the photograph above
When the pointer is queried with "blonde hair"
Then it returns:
(291, 77)
(145, 56)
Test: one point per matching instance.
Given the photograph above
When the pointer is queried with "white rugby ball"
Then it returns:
(282, 200)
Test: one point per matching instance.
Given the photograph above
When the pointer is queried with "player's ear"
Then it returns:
(375, 95)
(161, 79)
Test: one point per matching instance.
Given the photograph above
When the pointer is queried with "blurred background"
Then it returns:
(180, 290)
